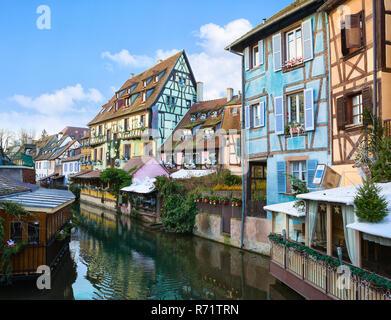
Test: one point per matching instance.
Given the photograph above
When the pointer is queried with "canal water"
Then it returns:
(117, 258)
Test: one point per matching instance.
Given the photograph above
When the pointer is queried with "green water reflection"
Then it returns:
(117, 258)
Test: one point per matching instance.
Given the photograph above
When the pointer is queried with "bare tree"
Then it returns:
(25, 135)
(5, 138)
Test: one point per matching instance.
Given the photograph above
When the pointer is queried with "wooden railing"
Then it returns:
(325, 277)
(387, 127)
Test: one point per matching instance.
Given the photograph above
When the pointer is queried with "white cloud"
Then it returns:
(214, 66)
(217, 68)
(61, 101)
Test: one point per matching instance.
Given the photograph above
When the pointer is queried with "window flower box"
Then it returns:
(291, 64)
(295, 128)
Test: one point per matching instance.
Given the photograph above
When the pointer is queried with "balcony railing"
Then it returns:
(325, 277)
(97, 140)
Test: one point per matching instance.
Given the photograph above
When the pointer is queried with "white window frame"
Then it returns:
(301, 171)
(295, 42)
(297, 120)
(360, 110)
(144, 97)
(256, 62)
(256, 114)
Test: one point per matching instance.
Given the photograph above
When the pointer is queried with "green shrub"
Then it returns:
(179, 209)
(370, 206)
(75, 189)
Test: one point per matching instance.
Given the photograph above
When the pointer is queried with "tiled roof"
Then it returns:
(108, 110)
(8, 186)
(199, 107)
(293, 8)
(75, 132)
(230, 120)
(88, 175)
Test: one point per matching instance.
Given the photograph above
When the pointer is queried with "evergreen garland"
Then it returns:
(370, 206)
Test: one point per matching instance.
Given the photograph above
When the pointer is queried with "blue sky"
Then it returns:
(58, 77)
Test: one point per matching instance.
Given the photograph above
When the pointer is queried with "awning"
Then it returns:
(285, 208)
(188, 174)
(141, 187)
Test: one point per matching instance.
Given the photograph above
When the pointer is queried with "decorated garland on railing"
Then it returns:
(371, 277)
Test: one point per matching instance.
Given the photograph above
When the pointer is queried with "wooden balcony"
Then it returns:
(318, 280)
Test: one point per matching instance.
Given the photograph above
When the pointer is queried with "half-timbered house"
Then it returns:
(286, 97)
(143, 113)
(352, 68)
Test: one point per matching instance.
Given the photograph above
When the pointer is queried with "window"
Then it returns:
(294, 45)
(100, 130)
(234, 111)
(127, 149)
(297, 229)
(296, 108)
(33, 233)
(352, 33)
(145, 83)
(71, 167)
(126, 125)
(193, 118)
(255, 56)
(16, 233)
(134, 123)
(350, 108)
(142, 121)
(299, 170)
(255, 115)
(188, 103)
(357, 109)
(65, 167)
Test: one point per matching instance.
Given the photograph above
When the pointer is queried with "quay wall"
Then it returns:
(256, 230)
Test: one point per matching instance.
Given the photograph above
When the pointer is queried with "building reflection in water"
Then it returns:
(117, 258)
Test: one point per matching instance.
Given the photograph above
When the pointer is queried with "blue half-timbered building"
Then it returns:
(286, 95)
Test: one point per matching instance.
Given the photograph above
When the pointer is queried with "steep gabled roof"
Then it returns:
(108, 111)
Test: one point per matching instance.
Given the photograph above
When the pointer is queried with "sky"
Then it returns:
(61, 60)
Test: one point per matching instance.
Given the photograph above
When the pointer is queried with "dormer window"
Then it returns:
(132, 88)
(193, 118)
(144, 83)
(203, 116)
(214, 114)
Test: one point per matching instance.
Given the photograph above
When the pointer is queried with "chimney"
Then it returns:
(264, 20)
(230, 94)
(200, 91)
(159, 61)
(131, 75)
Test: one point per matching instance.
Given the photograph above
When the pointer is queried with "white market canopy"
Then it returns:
(188, 174)
(142, 187)
(285, 208)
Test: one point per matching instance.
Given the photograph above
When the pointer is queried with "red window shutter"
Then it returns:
(353, 31)
(341, 113)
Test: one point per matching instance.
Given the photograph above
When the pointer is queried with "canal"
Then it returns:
(114, 257)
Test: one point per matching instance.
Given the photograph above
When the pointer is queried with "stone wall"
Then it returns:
(256, 231)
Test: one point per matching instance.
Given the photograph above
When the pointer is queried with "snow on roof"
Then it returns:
(382, 229)
(344, 195)
(286, 208)
(143, 187)
(187, 174)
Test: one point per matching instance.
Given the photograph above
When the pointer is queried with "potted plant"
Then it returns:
(62, 234)
(223, 201)
(236, 202)
(205, 199)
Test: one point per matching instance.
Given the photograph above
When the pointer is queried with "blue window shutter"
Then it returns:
(281, 177)
(262, 114)
(279, 115)
(277, 52)
(261, 52)
(247, 58)
(309, 109)
(247, 117)
(311, 169)
(308, 50)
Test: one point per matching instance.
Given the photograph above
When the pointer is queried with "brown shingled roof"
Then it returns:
(166, 65)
